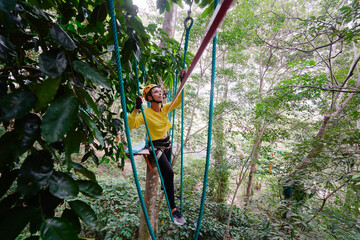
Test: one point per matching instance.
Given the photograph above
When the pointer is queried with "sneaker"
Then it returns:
(178, 218)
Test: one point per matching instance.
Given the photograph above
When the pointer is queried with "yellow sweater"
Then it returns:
(158, 122)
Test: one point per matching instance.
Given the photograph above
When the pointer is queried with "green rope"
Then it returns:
(123, 104)
(151, 143)
(186, 45)
(211, 110)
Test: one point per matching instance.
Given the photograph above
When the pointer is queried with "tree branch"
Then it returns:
(324, 89)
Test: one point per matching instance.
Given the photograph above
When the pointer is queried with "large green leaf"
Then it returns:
(58, 118)
(67, 12)
(73, 219)
(95, 131)
(6, 180)
(28, 129)
(72, 145)
(35, 222)
(137, 26)
(61, 37)
(90, 73)
(72, 142)
(46, 91)
(52, 64)
(85, 95)
(57, 229)
(7, 149)
(48, 203)
(35, 172)
(13, 144)
(90, 188)
(84, 211)
(13, 221)
(99, 14)
(63, 186)
(16, 104)
(7, 49)
(87, 173)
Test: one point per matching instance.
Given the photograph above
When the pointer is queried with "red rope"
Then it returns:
(217, 18)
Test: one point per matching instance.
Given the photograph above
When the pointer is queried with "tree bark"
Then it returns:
(169, 23)
(252, 171)
(151, 190)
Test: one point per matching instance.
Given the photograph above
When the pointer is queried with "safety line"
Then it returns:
(208, 150)
(123, 104)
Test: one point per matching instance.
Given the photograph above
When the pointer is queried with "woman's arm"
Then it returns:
(136, 120)
(175, 105)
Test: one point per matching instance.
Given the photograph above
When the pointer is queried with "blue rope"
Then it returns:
(186, 45)
(123, 104)
(152, 146)
(211, 110)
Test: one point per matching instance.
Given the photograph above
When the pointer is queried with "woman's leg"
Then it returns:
(168, 176)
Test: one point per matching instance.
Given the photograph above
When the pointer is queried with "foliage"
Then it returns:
(57, 91)
(117, 210)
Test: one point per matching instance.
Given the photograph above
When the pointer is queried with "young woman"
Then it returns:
(159, 125)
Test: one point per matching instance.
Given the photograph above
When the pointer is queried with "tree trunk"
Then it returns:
(221, 169)
(152, 180)
(252, 170)
(169, 23)
(151, 190)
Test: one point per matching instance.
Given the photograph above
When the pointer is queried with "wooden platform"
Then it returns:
(140, 149)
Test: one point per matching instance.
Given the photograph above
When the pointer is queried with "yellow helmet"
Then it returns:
(147, 90)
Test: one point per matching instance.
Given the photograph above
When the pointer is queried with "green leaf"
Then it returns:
(6, 180)
(28, 129)
(87, 173)
(356, 176)
(73, 219)
(84, 94)
(52, 64)
(61, 37)
(35, 172)
(72, 144)
(137, 26)
(7, 49)
(7, 149)
(99, 14)
(63, 186)
(84, 211)
(67, 12)
(16, 105)
(95, 131)
(57, 228)
(58, 118)
(46, 91)
(90, 188)
(94, 76)
(13, 221)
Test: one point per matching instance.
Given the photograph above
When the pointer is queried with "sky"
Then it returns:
(142, 4)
